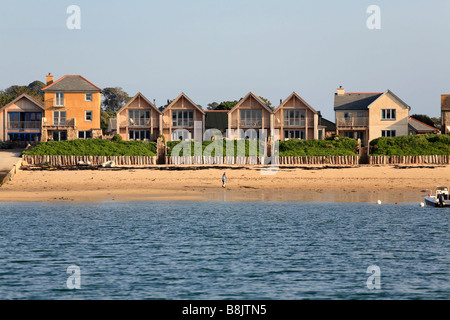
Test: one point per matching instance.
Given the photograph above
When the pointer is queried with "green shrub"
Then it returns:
(241, 147)
(421, 145)
(94, 147)
(330, 147)
(117, 138)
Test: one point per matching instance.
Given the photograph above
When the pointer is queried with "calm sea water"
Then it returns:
(223, 250)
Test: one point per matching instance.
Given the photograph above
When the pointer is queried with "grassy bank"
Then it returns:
(412, 145)
(94, 147)
(291, 148)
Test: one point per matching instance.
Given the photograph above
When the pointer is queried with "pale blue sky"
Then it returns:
(217, 50)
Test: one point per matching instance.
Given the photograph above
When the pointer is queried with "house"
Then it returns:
(330, 127)
(183, 119)
(296, 119)
(417, 127)
(445, 113)
(367, 116)
(21, 120)
(248, 117)
(72, 109)
(139, 119)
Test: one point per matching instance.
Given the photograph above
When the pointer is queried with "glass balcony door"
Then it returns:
(59, 118)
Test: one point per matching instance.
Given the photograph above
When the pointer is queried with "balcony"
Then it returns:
(250, 123)
(183, 123)
(24, 125)
(138, 123)
(298, 123)
(59, 122)
(353, 122)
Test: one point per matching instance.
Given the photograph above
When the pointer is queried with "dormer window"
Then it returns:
(88, 97)
(59, 99)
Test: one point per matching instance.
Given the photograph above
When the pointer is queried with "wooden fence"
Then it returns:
(62, 161)
(387, 160)
(253, 160)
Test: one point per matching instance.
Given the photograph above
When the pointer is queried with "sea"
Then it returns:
(224, 251)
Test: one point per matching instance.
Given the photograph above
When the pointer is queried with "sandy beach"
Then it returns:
(353, 184)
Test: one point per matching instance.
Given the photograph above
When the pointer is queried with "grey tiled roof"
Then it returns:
(354, 101)
(419, 126)
(72, 84)
(329, 125)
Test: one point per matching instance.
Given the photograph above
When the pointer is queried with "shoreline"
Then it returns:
(307, 184)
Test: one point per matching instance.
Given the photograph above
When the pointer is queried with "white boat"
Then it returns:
(440, 199)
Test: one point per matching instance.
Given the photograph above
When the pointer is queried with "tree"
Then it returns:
(11, 93)
(227, 105)
(114, 98)
(212, 105)
(423, 118)
(104, 119)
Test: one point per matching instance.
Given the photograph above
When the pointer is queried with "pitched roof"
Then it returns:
(24, 96)
(139, 96)
(182, 95)
(72, 83)
(360, 101)
(295, 94)
(354, 101)
(419, 126)
(329, 125)
(256, 97)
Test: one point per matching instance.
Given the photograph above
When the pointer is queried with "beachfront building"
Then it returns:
(72, 109)
(296, 119)
(21, 120)
(367, 116)
(445, 113)
(139, 119)
(248, 117)
(182, 119)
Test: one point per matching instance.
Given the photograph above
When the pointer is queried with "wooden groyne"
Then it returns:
(393, 160)
(200, 160)
(65, 161)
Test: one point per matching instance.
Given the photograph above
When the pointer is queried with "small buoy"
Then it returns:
(396, 203)
(379, 202)
(422, 204)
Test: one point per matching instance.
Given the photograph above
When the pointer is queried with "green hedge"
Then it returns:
(422, 145)
(333, 146)
(94, 147)
(291, 148)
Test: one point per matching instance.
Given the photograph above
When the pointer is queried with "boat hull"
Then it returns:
(433, 202)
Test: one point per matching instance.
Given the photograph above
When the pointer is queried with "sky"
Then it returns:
(218, 50)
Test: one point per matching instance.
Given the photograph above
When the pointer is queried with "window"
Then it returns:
(84, 134)
(59, 99)
(294, 118)
(59, 118)
(388, 114)
(182, 118)
(88, 97)
(139, 118)
(88, 116)
(59, 135)
(294, 134)
(388, 133)
(251, 118)
(139, 135)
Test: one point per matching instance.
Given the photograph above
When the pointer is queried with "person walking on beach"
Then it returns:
(224, 180)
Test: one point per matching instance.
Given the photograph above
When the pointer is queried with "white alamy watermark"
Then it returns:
(74, 280)
(374, 20)
(73, 22)
(374, 280)
(261, 148)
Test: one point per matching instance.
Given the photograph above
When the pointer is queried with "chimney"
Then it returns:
(49, 79)
(340, 91)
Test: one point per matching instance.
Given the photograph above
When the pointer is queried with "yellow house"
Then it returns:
(139, 119)
(72, 109)
(182, 119)
(21, 119)
(296, 119)
(367, 116)
(248, 117)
